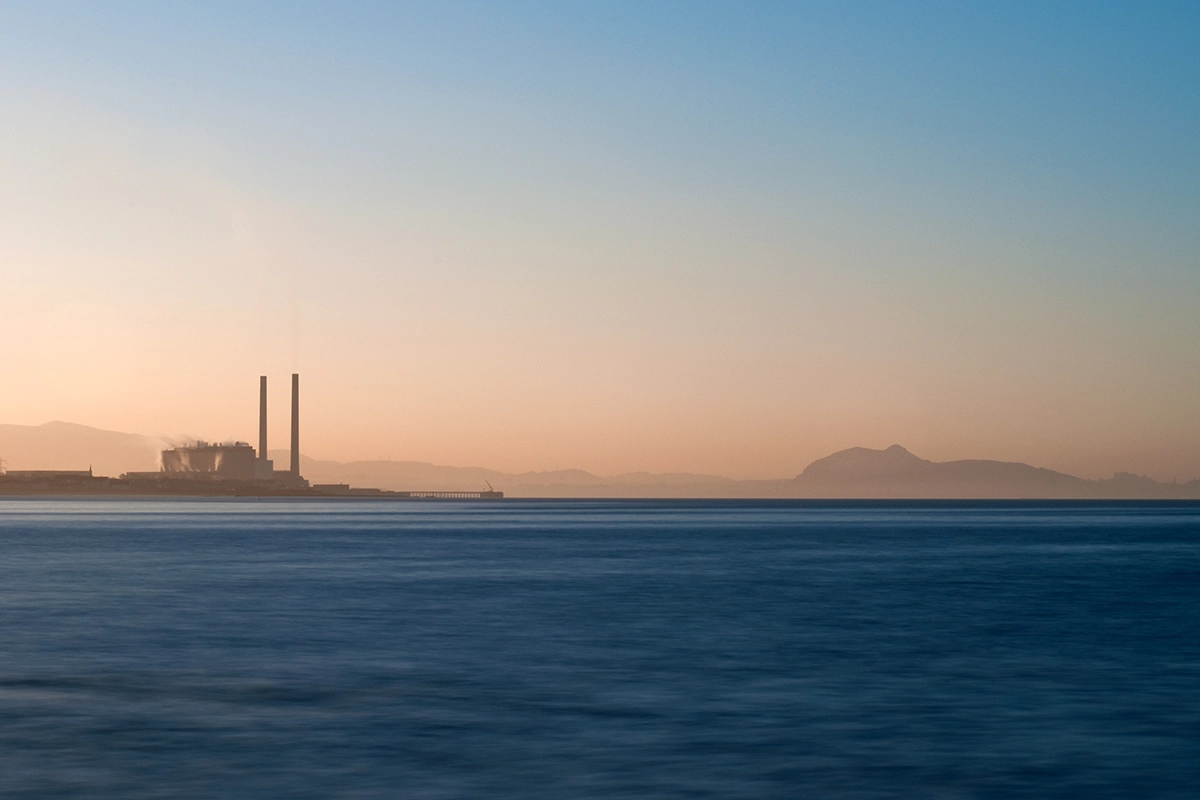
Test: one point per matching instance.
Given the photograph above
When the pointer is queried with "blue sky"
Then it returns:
(727, 237)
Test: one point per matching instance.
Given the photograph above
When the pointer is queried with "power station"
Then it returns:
(214, 469)
(235, 461)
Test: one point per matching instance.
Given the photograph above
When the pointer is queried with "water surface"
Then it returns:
(599, 649)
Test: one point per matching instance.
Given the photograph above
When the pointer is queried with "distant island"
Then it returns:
(897, 473)
(860, 473)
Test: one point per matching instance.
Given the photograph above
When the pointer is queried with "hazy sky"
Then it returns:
(717, 237)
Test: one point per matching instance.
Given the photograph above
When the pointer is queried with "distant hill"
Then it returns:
(855, 473)
(65, 445)
(419, 476)
(897, 473)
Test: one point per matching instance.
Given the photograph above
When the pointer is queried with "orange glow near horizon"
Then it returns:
(531, 254)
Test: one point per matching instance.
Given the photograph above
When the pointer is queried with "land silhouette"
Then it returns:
(893, 473)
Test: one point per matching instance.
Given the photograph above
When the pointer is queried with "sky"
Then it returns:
(726, 238)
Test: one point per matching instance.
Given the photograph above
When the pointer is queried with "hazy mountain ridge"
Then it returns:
(66, 445)
(897, 473)
(857, 472)
(416, 475)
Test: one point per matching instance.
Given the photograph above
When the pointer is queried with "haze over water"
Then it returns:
(710, 237)
(616, 247)
(599, 649)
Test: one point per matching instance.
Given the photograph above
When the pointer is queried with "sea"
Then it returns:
(598, 649)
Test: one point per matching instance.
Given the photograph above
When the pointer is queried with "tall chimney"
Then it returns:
(262, 418)
(295, 425)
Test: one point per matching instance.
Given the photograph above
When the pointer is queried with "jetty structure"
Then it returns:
(215, 469)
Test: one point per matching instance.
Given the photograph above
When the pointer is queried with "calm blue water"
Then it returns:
(598, 649)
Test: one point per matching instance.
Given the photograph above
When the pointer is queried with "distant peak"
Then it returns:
(59, 425)
(861, 462)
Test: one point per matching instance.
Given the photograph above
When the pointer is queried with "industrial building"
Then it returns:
(234, 461)
(213, 469)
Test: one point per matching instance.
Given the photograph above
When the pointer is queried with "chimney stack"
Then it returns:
(295, 425)
(262, 418)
